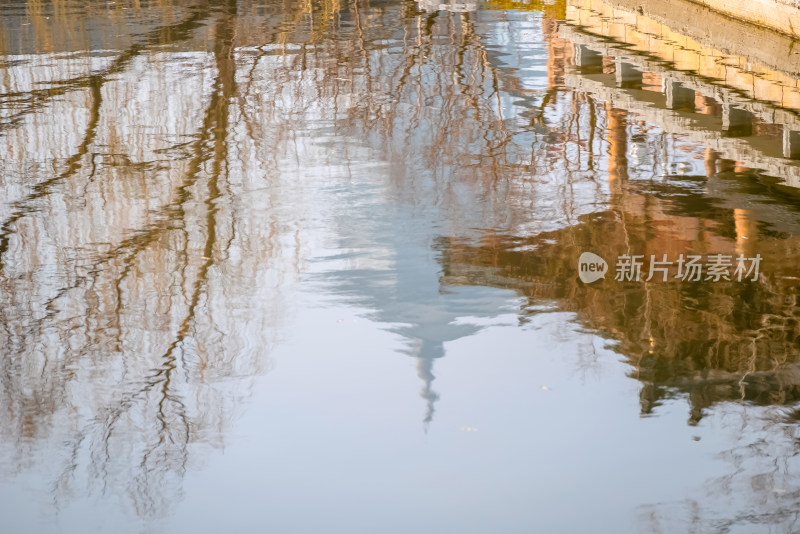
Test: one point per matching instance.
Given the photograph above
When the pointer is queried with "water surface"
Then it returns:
(313, 267)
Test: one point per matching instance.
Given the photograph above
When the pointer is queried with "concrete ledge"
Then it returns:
(780, 15)
(730, 61)
(712, 29)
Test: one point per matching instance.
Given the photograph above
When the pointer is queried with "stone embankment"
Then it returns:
(780, 15)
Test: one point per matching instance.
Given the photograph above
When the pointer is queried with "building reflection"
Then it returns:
(687, 172)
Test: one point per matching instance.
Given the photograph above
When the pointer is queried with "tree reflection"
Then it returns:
(117, 316)
(116, 346)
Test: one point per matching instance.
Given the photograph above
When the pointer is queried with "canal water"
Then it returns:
(302, 267)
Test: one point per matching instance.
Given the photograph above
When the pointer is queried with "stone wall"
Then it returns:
(781, 15)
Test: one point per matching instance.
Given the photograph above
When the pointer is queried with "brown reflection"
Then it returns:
(746, 232)
(707, 106)
(617, 146)
(710, 160)
(713, 341)
(559, 53)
